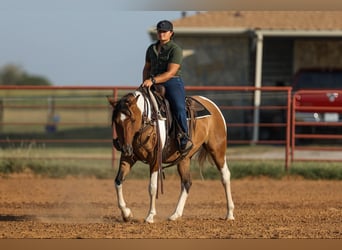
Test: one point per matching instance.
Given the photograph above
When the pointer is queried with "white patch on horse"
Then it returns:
(225, 173)
(126, 212)
(153, 193)
(180, 205)
(141, 103)
(199, 117)
(162, 131)
(161, 123)
(122, 117)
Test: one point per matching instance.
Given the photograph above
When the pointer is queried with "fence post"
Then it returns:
(1, 113)
(50, 126)
(288, 128)
(115, 95)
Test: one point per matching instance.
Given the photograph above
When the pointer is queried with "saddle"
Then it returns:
(194, 110)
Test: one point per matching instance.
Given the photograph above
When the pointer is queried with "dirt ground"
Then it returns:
(34, 207)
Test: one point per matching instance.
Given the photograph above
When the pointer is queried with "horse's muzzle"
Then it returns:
(127, 150)
(117, 144)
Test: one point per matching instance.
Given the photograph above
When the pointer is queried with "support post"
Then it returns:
(257, 92)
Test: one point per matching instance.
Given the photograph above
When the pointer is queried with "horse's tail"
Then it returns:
(202, 156)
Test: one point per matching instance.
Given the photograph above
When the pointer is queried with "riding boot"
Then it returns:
(185, 144)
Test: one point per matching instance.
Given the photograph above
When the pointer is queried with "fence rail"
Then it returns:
(64, 115)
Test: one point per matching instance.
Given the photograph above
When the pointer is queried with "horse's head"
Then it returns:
(127, 119)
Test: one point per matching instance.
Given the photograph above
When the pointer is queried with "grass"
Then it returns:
(96, 162)
(56, 162)
(55, 169)
(314, 171)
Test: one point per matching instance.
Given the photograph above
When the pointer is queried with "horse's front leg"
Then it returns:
(124, 169)
(153, 186)
(184, 172)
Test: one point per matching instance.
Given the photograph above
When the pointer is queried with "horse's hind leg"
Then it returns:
(225, 178)
(219, 157)
(184, 173)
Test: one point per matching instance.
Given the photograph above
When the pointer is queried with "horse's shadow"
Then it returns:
(118, 219)
(10, 217)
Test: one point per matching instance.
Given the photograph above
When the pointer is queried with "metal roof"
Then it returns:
(264, 20)
(265, 23)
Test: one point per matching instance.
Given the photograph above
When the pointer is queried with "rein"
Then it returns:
(151, 110)
(158, 151)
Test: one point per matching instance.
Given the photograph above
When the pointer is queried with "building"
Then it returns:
(233, 47)
(256, 48)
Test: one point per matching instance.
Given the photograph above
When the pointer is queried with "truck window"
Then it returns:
(319, 80)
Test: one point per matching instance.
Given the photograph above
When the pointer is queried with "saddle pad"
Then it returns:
(198, 109)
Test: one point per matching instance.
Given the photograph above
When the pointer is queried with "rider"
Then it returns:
(163, 66)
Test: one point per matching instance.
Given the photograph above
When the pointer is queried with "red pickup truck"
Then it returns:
(319, 93)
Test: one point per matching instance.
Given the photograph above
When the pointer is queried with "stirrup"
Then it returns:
(187, 147)
(160, 117)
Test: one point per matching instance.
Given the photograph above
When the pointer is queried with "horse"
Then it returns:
(140, 133)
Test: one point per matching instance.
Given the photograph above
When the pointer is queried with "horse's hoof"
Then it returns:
(174, 217)
(149, 220)
(127, 219)
(127, 215)
(230, 218)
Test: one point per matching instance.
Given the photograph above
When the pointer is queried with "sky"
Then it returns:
(90, 42)
(77, 42)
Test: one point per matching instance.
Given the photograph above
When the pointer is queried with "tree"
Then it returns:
(33, 80)
(12, 74)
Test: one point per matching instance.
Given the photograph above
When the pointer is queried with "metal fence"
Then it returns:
(316, 129)
(77, 116)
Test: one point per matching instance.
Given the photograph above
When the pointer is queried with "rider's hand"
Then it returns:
(147, 83)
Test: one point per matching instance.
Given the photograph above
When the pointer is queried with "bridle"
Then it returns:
(149, 118)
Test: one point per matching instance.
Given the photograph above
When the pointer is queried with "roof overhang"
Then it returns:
(299, 33)
(184, 31)
(205, 31)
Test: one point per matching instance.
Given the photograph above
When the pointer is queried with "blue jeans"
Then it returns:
(175, 94)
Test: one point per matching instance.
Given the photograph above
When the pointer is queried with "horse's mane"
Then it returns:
(123, 105)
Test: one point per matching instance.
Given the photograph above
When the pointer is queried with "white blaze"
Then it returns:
(122, 117)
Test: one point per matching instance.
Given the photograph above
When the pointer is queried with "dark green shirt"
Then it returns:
(169, 53)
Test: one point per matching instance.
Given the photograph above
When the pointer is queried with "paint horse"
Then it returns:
(143, 136)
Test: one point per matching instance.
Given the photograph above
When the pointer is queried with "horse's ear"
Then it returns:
(111, 100)
(132, 100)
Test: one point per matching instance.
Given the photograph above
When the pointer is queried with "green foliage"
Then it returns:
(59, 163)
(274, 170)
(27, 158)
(10, 166)
(60, 171)
(318, 171)
(33, 80)
(269, 169)
(52, 169)
(11, 74)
